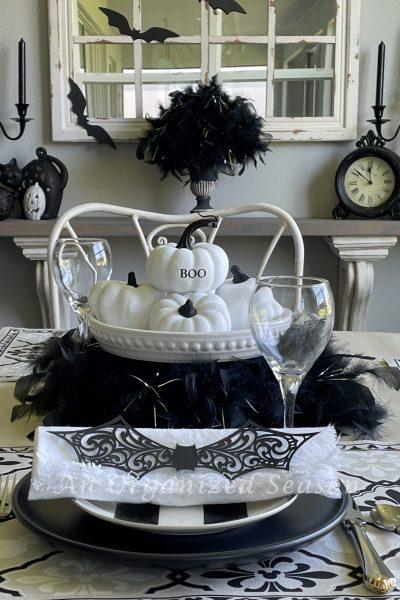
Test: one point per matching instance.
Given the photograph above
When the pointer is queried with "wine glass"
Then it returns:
(77, 264)
(292, 320)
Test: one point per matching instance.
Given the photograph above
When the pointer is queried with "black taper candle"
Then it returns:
(22, 72)
(380, 76)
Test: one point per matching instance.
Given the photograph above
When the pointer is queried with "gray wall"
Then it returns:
(298, 176)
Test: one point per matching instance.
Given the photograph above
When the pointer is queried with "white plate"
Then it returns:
(160, 346)
(185, 519)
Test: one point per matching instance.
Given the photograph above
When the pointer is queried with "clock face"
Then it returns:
(369, 182)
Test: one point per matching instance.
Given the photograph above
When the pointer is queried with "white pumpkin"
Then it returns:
(124, 304)
(34, 202)
(184, 268)
(236, 293)
(199, 313)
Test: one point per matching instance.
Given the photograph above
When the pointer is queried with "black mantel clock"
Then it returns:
(367, 181)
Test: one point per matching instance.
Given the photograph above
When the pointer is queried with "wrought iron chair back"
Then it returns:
(167, 221)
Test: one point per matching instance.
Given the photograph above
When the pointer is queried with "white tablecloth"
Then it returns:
(32, 568)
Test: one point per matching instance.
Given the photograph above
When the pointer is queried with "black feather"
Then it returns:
(204, 132)
(89, 387)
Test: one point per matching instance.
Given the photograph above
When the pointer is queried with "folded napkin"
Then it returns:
(58, 473)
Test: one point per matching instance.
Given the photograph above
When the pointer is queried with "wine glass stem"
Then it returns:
(289, 385)
(83, 324)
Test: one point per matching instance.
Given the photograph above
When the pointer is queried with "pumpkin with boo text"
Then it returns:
(185, 268)
(237, 292)
(123, 304)
(198, 314)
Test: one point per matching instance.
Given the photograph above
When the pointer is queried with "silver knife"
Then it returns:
(377, 577)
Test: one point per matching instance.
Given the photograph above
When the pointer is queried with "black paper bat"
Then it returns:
(154, 34)
(227, 6)
(244, 451)
(78, 107)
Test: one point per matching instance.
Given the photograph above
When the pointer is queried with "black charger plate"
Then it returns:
(61, 521)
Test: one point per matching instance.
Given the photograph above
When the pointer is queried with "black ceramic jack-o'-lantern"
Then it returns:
(47, 171)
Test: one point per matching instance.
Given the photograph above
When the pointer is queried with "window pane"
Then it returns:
(93, 22)
(241, 55)
(254, 22)
(242, 69)
(166, 68)
(305, 17)
(110, 100)
(171, 56)
(181, 16)
(105, 58)
(303, 80)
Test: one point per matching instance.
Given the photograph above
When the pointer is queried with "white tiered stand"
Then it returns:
(171, 346)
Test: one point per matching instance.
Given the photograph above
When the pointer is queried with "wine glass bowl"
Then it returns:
(291, 319)
(77, 265)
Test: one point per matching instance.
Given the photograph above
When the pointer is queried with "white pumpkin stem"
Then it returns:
(238, 275)
(184, 242)
(132, 280)
(187, 310)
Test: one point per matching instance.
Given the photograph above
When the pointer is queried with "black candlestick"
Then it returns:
(22, 106)
(21, 72)
(379, 139)
(380, 74)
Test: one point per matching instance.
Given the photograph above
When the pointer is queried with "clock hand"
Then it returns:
(358, 173)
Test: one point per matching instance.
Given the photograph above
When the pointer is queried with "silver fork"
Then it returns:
(7, 486)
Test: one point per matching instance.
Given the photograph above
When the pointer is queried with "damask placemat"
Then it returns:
(18, 348)
(328, 568)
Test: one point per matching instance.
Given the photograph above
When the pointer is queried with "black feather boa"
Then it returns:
(87, 387)
(204, 132)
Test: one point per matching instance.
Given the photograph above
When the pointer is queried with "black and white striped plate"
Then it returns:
(184, 519)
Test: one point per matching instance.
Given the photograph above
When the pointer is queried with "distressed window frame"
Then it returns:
(341, 126)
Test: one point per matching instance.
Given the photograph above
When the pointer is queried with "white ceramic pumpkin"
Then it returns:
(198, 314)
(184, 268)
(236, 293)
(124, 304)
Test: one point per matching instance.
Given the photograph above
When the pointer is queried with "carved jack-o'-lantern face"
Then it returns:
(34, 202)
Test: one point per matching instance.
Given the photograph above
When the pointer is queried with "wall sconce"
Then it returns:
(22, 106)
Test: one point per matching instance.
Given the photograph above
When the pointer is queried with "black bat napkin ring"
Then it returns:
(78, 107)
(245, 450)
(154, 34)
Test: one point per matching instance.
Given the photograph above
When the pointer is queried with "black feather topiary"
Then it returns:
(86, 386)
(204, 132)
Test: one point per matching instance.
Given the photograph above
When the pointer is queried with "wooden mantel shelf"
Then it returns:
(235, 226)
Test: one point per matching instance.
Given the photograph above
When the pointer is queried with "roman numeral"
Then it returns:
(385, 172)
(362, 166)
(353, 182)
(370, 200)
(361, 198)
(378, 167)
(387, 181)
(385, 189)
(355, 191)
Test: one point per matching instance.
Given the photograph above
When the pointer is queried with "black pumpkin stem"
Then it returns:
(184, 242)
(187, 310)
(238, 275)
(132, 280)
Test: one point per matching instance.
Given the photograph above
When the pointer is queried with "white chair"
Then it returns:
(164, 222)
